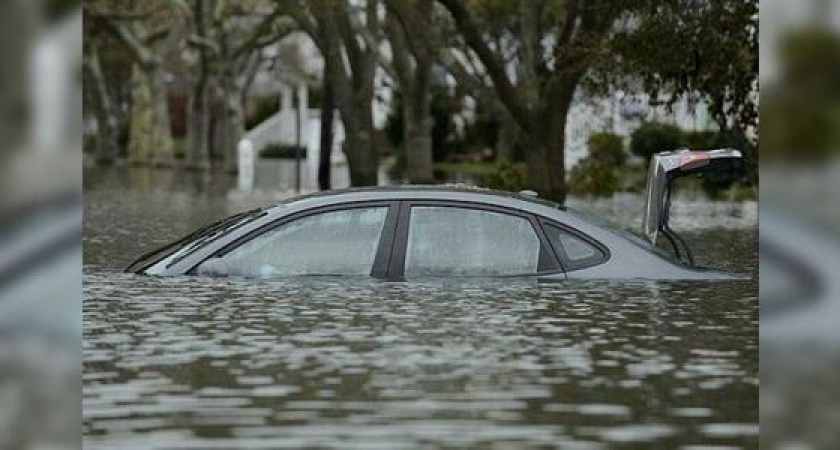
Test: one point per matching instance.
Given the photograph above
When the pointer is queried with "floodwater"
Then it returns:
(357, 363)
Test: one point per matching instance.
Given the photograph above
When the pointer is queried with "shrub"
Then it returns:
(598, 173)
(508, 177)
(700, 140)
(717, 181)
(282, 151)
(653, 137)
(179, 147)
(588, 178)
(606, 149)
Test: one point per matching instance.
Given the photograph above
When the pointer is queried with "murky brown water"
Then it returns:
(225, 363)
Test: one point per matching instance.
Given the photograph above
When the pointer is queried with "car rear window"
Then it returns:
(575, 250)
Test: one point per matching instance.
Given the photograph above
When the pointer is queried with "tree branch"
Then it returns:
(569, 23)
(400, 61)
(263, 27)
(416, 26)
(341, 17)
(299, 12)
(129, 40)
(155, 35)
(204, 43)
(495, 69)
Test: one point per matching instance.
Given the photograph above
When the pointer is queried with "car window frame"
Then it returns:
(561, 254)
(381, 261)
(548, 263)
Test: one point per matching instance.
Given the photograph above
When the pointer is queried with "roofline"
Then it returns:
(419, 188)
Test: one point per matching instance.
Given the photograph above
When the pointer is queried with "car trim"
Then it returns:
(382, 262)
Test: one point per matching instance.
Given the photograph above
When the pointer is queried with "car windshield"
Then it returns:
(175, 251)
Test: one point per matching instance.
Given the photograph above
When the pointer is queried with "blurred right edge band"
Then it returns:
(800, 223)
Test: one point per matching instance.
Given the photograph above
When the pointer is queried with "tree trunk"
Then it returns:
(107, 147)
(233, 129)
(546, 149)
(362, 159)
(508, 138)
(417, 127)
(353, 86)
(411, 59)
(150, 138)
(197, 153)
(198, 127)
(356, 111)
(231, 124)
(327, 116)
(546, 170)
(215, 141)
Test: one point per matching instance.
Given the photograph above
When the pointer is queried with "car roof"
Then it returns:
(443, 192)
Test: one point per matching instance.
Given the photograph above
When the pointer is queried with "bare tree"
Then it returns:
(352, 65)
(412, 41)
(102, 103)
(197, 152)
(151, 32)
(554, 45)
(228, 38)
(327, 119)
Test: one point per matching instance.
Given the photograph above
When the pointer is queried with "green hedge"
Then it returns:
(655, 137)
(700, 140)
(281, 151)
(509, 177)
(589, 178)
(606, 149)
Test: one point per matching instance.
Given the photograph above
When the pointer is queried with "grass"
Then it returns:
(480, 168)
(179, 147)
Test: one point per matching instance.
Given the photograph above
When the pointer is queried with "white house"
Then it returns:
(622, 113)
(299, 66)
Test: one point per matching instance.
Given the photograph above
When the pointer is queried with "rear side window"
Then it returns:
(452, 241)
(574, 250)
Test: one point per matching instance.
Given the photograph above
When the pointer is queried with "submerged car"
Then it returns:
(395, 233)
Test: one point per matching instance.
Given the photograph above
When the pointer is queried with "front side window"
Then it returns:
(342, 242)
(451, 241)
(575, 251)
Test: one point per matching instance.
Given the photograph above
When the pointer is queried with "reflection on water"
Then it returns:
(222, 363)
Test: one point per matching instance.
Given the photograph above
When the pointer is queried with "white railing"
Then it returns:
(281, 128)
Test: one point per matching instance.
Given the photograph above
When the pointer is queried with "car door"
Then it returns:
(461, 239)
(345, 240)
